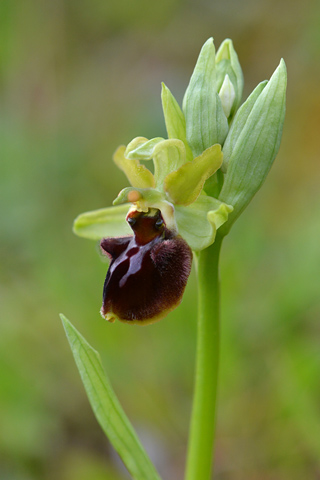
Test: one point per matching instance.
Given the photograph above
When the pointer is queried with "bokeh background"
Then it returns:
(78, 78)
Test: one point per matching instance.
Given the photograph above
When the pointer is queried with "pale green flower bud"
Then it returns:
(206, 122)
(227, 63)
(227, 95)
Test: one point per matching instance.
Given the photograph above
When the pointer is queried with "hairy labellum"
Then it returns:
(148, 271)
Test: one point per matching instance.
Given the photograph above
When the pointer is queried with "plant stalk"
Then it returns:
(202, 428)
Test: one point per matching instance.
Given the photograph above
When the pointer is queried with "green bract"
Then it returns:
(216, 157)
(206, 122)
(253, 142)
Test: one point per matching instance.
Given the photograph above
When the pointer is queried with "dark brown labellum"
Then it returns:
(148, 271)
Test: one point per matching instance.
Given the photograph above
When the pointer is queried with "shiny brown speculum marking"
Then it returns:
(148, 271)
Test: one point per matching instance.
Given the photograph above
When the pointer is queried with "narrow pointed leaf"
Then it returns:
(174, 119)
(206, 122)
(105, 222)
(137, 174)
(256, 147)
(107, 408)
(185, 184)
(193, 223)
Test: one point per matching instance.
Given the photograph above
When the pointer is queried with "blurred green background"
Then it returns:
(78, 78)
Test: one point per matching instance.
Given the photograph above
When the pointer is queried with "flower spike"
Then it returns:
(216, 157)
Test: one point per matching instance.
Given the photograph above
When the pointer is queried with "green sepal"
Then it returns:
(105, 222)
(141, 148)
(174, 119)
(107, 408)
(184, 185)
(168, 156)
(198, 222)
(137, 174)
(256, 146)
(227, 62)
(206, 122)
(238, 124)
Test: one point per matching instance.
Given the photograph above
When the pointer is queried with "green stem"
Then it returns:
(202, 429)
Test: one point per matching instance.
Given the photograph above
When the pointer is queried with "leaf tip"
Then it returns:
(75, 226)
(66, 325)
(283, 68)
(64, 320)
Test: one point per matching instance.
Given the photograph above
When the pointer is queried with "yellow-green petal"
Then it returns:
(193, 223)
(219, 216)
(138, 175)
(184, 185)
(105, 222)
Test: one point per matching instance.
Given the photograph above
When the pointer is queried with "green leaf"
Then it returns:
(206, 122)
(105, 222)
(227, 62)
(197, 223)
(174, 119)
(107, 408)
(137, 174)
(185, 184)
(255, 147)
